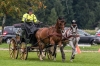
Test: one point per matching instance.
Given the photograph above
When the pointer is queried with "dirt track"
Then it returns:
(4, 49)
(57, 50)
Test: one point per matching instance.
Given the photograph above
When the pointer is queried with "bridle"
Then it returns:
(73, 29)
(60, 26)
(70, 32)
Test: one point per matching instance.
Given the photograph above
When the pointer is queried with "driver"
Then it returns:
(29, 17)
(29, 20)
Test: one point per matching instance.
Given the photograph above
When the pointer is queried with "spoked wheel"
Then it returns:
(38, 53)
(49, 54)
(13, 49)
(23, 51)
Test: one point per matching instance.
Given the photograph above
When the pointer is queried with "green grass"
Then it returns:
(92, 32)
(4, 45)
(83, 59)
(86, 48)
(91, 48)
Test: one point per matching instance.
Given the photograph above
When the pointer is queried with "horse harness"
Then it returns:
(72, 34)
(51, 34)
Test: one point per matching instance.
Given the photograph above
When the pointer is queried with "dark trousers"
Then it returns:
(29, 30)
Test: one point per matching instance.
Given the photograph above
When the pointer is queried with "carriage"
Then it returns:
(44, 38)
(21, 44)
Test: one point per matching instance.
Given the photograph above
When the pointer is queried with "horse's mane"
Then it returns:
(53, 26)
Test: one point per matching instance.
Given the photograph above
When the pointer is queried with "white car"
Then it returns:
(98, 31)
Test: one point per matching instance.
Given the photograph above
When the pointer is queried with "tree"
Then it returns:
(15, 8)
(59, 7)
(53, 17)
(7, 8)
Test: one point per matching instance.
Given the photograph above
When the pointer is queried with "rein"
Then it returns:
(54, 33)
(51, 34)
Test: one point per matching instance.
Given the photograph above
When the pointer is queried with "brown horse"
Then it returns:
(71, 36)
(50, 36)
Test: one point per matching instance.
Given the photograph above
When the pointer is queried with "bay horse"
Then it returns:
(49, 36)
(70, 35)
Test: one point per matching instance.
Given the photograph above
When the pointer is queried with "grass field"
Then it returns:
(82, 59)
(85, 48)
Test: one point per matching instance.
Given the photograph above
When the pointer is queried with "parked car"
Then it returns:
(9, 32)
(97, 39)
(98, 31)
(0, 36)
(85, 38)
(0, 32)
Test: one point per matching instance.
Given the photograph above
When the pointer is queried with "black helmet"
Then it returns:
(60, 17)
(30, 10)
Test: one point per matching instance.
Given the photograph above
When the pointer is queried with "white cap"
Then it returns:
(73, 20)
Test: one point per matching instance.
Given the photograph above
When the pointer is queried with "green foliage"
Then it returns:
(85, 12)
(15, 8)
(53, 17)
(92, 32)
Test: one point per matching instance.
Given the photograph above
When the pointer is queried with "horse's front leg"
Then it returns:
(40, 56)
(62, 52)
(41, 51)
(54, 52)
(73, 50)
(43, 54)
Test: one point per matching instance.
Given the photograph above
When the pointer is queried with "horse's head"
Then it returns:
(60, 24)
(74, 28)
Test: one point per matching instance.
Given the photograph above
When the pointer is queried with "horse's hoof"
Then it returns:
(72, 57)
(44, 57)
(54, 59)
(71, 60)
(63, 60)
(41, 59)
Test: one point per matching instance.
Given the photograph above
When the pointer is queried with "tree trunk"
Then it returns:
(3, 23)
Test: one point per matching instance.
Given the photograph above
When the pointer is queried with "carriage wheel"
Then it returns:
(13, 49)
(46, 52)
(23, 51)
(49, 54)
(38, 53)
